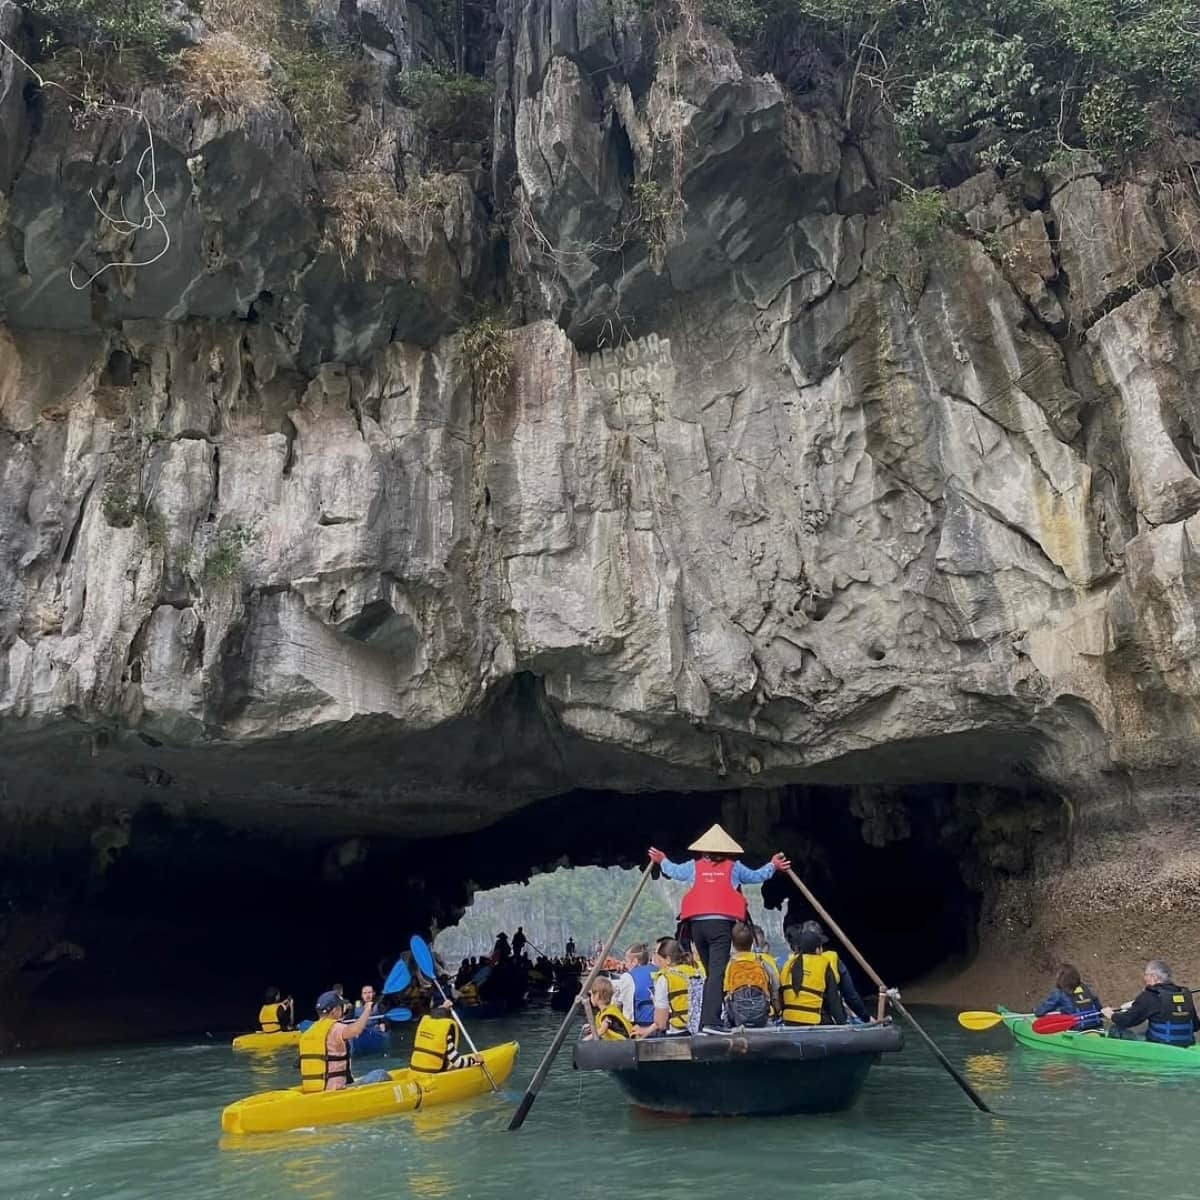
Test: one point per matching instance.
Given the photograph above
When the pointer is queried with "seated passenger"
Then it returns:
(611, 1023)
(1167, 1009)
(762, 951)
(1071, 995)
(672, 991)
(811, 995)
(276, 1013)
(641, 974)
(325, 1047)
(435, 1045)
(751, 990)
(849, 993)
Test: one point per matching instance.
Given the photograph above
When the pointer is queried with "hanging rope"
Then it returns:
(147, 175)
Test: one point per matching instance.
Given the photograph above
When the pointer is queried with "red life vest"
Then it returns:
(713, 892)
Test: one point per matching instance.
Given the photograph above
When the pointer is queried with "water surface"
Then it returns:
(142, 1123)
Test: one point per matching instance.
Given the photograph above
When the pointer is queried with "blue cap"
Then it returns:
(328, 1000)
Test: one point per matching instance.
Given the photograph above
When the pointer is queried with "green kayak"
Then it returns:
(1098, 1046)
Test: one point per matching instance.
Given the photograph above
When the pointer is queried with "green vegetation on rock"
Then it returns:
(971, 83)
(453, 106)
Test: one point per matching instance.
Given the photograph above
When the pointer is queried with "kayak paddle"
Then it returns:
(394, 1014)
(423, 957)
(976, 1021)
(399, 977)
(1055, 1023)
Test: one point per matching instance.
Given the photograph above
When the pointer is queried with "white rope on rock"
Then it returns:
(147, 174)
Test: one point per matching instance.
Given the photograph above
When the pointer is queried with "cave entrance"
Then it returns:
(190, 920)
(904, 870)
(577, 905)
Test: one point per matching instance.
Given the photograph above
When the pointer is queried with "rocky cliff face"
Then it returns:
(775, 491)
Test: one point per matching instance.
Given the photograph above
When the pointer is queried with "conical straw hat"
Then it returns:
(716, 841)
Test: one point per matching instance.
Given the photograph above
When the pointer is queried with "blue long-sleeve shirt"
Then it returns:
(686, 873)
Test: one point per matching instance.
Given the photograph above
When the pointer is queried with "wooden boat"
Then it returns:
(404, 1091)
(745, 1072)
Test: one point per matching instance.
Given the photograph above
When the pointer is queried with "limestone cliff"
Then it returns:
(772, 492)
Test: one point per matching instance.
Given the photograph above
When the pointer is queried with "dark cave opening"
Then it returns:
(190, 921)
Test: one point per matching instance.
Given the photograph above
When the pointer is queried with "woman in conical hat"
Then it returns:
(713, 904)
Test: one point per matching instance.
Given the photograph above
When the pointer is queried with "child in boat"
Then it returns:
(1072, 995)
(751, 990)
(611, 1023)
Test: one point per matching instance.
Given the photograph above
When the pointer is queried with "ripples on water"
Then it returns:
(142, 1123)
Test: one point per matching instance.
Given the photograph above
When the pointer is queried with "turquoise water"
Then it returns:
(142, 1123)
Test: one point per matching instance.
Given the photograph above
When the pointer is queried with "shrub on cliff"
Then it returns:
(223, 75)
(488, 348)
(970, 83)
(452, 106)
(113, 24)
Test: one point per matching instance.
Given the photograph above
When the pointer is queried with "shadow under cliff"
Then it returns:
(176, 926)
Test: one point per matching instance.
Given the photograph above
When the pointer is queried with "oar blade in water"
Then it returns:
(979, 1020)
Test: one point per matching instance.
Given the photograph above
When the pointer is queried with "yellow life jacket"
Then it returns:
(745, 970)
(619, 1026)
(317, 1065)
(677, 977)
(435, 1038)
(268, 1018)
(803, 1005)
(468, 994)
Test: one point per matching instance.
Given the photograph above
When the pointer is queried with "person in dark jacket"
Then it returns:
(1166, 1008)
(850, 997)
(1072, 995)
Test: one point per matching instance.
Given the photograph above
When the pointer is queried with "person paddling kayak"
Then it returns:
(1072, 995)
(1167, 1009)
(713, 905)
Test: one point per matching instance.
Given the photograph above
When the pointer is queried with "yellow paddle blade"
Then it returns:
(979, 1020)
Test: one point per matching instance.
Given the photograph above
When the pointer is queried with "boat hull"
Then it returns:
(267, 1043)
(1097, 1047)
(746, 1073)
(404, 1091)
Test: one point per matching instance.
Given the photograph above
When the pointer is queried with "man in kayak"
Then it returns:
(1167, 1009)
(325, 1047)
(1072, 995)
(713, 905)
(367, 998)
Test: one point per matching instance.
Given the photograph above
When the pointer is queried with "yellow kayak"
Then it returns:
(404, 1091)
(267, 1041)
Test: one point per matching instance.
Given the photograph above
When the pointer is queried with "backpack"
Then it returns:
(748, 999)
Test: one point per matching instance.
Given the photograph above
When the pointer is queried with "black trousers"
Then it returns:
(712, 938)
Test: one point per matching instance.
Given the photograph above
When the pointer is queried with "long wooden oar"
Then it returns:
(539, 1076)
(975, 1097)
